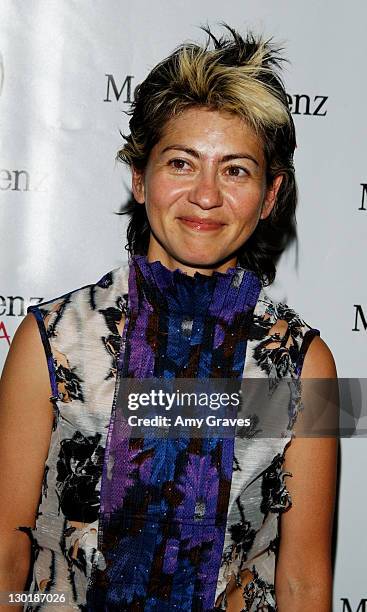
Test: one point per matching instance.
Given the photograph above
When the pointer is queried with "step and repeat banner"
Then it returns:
(67, 77)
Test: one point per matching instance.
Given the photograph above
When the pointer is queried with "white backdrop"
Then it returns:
(60, 185)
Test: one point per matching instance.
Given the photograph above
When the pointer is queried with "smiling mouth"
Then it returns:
(201, 224)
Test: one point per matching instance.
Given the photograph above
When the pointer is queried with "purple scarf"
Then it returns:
(164, 501)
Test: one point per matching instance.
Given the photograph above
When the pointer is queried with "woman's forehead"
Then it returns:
(204, 116)
(209, 129)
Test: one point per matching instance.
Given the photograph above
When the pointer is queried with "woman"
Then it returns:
(117, 522)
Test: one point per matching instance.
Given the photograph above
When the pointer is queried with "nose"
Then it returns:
(205, 192)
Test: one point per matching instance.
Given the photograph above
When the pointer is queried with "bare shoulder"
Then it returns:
(26, 334)
(319, 361)
(26, 360)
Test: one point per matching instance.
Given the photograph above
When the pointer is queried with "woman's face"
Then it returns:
(204, 190)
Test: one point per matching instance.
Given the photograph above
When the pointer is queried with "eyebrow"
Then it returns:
(225, 158)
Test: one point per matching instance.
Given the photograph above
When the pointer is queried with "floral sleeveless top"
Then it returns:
(85, 334)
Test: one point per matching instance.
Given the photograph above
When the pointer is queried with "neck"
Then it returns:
(157, 253)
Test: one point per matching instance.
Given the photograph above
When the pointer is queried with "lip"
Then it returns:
(200, 224)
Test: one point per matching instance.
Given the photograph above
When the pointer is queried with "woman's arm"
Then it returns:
(303, 579)
(26, 418)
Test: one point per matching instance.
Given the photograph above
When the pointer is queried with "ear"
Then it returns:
(271, 196)
(137, 185)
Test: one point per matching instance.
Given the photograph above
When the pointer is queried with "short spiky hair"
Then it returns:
(233, 74)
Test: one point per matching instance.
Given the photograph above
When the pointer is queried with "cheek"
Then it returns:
(154, 204)
(161, 193)
(157, 203)
(247, 207)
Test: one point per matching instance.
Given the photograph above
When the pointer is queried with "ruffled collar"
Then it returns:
(152, 285)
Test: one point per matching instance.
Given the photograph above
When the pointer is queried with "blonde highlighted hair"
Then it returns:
(234, 74)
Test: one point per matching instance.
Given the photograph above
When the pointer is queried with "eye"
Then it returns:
(237, 171)
(178, 164)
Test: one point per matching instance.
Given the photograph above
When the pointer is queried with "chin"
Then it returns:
(201, 260)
